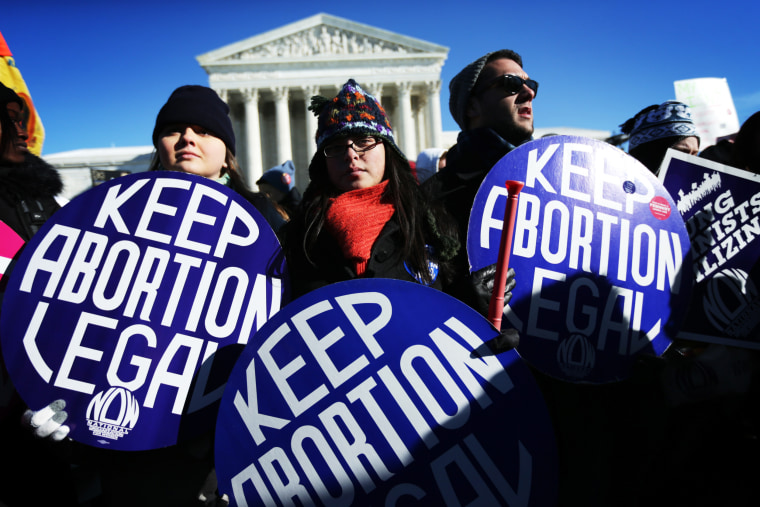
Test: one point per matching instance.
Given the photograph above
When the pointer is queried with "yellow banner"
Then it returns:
(10, 76)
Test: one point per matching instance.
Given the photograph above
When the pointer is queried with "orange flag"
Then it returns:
(11, 77)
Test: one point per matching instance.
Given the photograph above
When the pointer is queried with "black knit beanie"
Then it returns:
(197, 105)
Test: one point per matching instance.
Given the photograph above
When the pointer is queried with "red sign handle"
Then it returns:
(496, 305)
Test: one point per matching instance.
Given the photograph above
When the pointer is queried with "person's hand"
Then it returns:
(209, 495)
(48, 422)
(508, 339)
(482, 282)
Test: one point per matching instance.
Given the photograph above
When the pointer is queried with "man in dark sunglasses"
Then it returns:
(501, 98)
(491, 100)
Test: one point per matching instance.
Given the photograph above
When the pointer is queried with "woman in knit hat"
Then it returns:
(656, 128)
(363, 214)
(193, 134)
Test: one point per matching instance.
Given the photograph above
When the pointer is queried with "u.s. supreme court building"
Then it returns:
(269, 79)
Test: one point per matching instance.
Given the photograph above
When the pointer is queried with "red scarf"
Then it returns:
(355, 219)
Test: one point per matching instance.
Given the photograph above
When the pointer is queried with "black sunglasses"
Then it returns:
(511, 84)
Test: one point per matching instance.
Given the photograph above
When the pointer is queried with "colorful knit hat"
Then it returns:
(669, 119)
(352, 112)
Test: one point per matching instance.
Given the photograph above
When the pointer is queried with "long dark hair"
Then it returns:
(417, 221)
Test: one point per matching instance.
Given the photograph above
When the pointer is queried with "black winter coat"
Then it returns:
(467, 164)
(331, 266)
(27, 192)
(455, 186)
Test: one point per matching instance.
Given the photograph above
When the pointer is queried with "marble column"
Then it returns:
(434, 114)
(405, 132)
(311, 122)
(421, 123)
(252, 136)
(282, 117)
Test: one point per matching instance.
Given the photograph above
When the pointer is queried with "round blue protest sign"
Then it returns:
(132, 303)
(382, 392)
(600, 256)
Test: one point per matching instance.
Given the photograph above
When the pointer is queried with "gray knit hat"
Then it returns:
(461, 86)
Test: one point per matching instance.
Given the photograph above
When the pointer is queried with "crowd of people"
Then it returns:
(367, 213)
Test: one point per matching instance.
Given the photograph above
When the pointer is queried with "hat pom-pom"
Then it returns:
(627, 127)
(318, 104)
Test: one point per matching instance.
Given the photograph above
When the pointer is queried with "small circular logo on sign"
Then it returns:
(660, 208)
(112, 414)
(629, 187)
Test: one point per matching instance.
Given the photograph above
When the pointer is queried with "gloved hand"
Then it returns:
(482, 282)
(209, 494)
(48, 422)
(508, 339)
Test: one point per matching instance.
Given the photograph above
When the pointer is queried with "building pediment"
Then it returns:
(321, 36)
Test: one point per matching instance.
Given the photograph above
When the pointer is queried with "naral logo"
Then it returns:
(113, 413)
(576, 356)
(731, 302)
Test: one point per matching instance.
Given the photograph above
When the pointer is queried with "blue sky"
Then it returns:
(99, 71)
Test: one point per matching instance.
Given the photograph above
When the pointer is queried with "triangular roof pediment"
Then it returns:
(317, 36)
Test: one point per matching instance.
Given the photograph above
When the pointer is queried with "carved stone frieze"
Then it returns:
(321, 40)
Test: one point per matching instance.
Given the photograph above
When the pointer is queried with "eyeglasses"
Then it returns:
(511, 84)
(358, 145)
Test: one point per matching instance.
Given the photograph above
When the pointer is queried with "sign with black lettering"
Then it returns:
(599, 253)
(721, 208)
(382, 392)
(127, 301)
